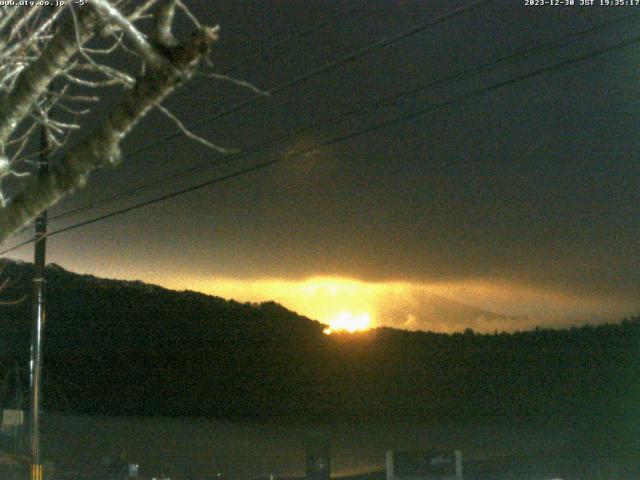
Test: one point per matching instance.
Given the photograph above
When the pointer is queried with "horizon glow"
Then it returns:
(348, 304)
(452, 306)
(348, 322)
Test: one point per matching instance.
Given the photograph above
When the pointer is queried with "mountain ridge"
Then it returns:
(124, 348)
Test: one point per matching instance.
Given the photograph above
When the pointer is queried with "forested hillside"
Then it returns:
(127, 348)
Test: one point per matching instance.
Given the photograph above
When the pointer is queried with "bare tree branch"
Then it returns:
(238, 82)
(192, 135)
(163, 34)
(102, 147)
(34, 80)
(137, 39)
(35, 50)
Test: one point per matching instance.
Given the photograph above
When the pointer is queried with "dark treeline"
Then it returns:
(127, 348)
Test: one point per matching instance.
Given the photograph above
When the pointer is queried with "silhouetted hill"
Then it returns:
(117, 347)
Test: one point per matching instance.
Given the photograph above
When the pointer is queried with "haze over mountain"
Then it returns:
(124, 348)
(437, 313)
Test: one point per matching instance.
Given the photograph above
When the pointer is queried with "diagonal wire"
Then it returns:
(493, 87)
(477, 70)
(347, 59)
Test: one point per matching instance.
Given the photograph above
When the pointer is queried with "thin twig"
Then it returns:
(238, 82)
(192, 135)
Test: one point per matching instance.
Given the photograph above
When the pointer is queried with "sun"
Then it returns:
(348, 322)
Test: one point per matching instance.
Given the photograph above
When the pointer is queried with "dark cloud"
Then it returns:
(532, 184)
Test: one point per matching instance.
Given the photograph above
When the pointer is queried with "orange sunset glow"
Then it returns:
(350, 305)
(348, 322)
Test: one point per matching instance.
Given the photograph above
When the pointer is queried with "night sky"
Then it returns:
(515, 207)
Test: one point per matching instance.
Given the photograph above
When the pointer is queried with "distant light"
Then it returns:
(348, 322)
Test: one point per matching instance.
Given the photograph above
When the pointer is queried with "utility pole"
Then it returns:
(35, 364)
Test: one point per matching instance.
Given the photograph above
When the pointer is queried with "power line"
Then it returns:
(342, 138)
(15, 247)
(520, 55)
(287, 39)
(328, 67)
(312, 28)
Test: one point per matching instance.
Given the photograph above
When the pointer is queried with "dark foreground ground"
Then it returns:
(539, 468)
(87, 448)
(508, 468)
